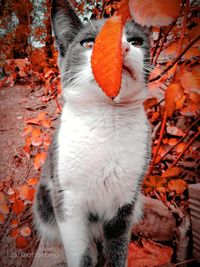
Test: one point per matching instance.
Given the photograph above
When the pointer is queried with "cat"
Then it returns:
(89, 195)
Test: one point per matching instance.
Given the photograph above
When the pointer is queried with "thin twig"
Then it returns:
(194, 40)
(183, 262)
(181, 140)
(184, 150)
(159, 143)
(163, 41)
(157, 45)
(183, 29)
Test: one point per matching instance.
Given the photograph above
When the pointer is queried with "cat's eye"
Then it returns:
(136, 41)
(88, 43)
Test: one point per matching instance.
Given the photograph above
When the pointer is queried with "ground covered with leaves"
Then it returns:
(23, 115)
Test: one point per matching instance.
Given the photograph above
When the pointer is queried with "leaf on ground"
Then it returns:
(149, 254)
(172, 172)
(154, 12)
(14, 233)
(2, 219)
(18, 206)
(26, 193)
(36, 138)
(177, 185)
(33, 181)
(39, 160)
(21, 242)
(4, 208)
(46, 123)
(2, 198)
(180, 147)
(173, 130)
(25, 231)
(107, 57)
(14, 223)
(150, 102)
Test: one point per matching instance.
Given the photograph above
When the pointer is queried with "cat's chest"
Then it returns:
(101, 144)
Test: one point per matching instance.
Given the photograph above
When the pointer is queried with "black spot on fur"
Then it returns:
(44, 205)
(93, 217)
(86, 260)
(119, 224)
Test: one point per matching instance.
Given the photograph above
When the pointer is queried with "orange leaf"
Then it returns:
(195, 97)
(32, 181)
(2, 198)
(154, 12)
(39, 160)
(25, 231)
(177, 185)
(26, 193)
(36, 139)
(150, 102)
(172, 172)
(2, 219)
(14, 223)
(150, 254)
(107, 57)
(21, 242)
(28, 129)
(18, 206)
(180, 147)
(46, 123)
(14, 232)
(4, 208)
(172, 141)
(173, 93)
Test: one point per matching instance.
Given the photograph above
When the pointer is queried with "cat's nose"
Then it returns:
(125, 47)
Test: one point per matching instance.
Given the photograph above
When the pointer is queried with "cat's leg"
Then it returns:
(117, 236)
(76, 239)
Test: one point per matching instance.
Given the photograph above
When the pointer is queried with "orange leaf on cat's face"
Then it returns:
(107, 57)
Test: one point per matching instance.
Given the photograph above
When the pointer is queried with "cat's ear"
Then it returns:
(65, 24)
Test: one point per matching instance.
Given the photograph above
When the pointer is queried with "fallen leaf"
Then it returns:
(172, 172)
(39, 160)
(36, 138)
(150, 102)
(33, 181)
(26, 193)
(21, 242)
(4, 208)
(14, 233)
(25, 231)
(178, 185)
(107, 57)
(14, 223)
(149, 254)
(2, 219)
(18, 206)
(180, 147)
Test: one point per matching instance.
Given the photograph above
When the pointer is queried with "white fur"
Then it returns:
(101, 144)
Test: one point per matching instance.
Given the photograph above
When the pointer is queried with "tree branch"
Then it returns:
(181, 140)
(194, 40)
(159, 143)
(186, 147)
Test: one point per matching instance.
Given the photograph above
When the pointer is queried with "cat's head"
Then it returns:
(75, 42)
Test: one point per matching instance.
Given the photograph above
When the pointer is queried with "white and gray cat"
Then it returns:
(89, 192)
